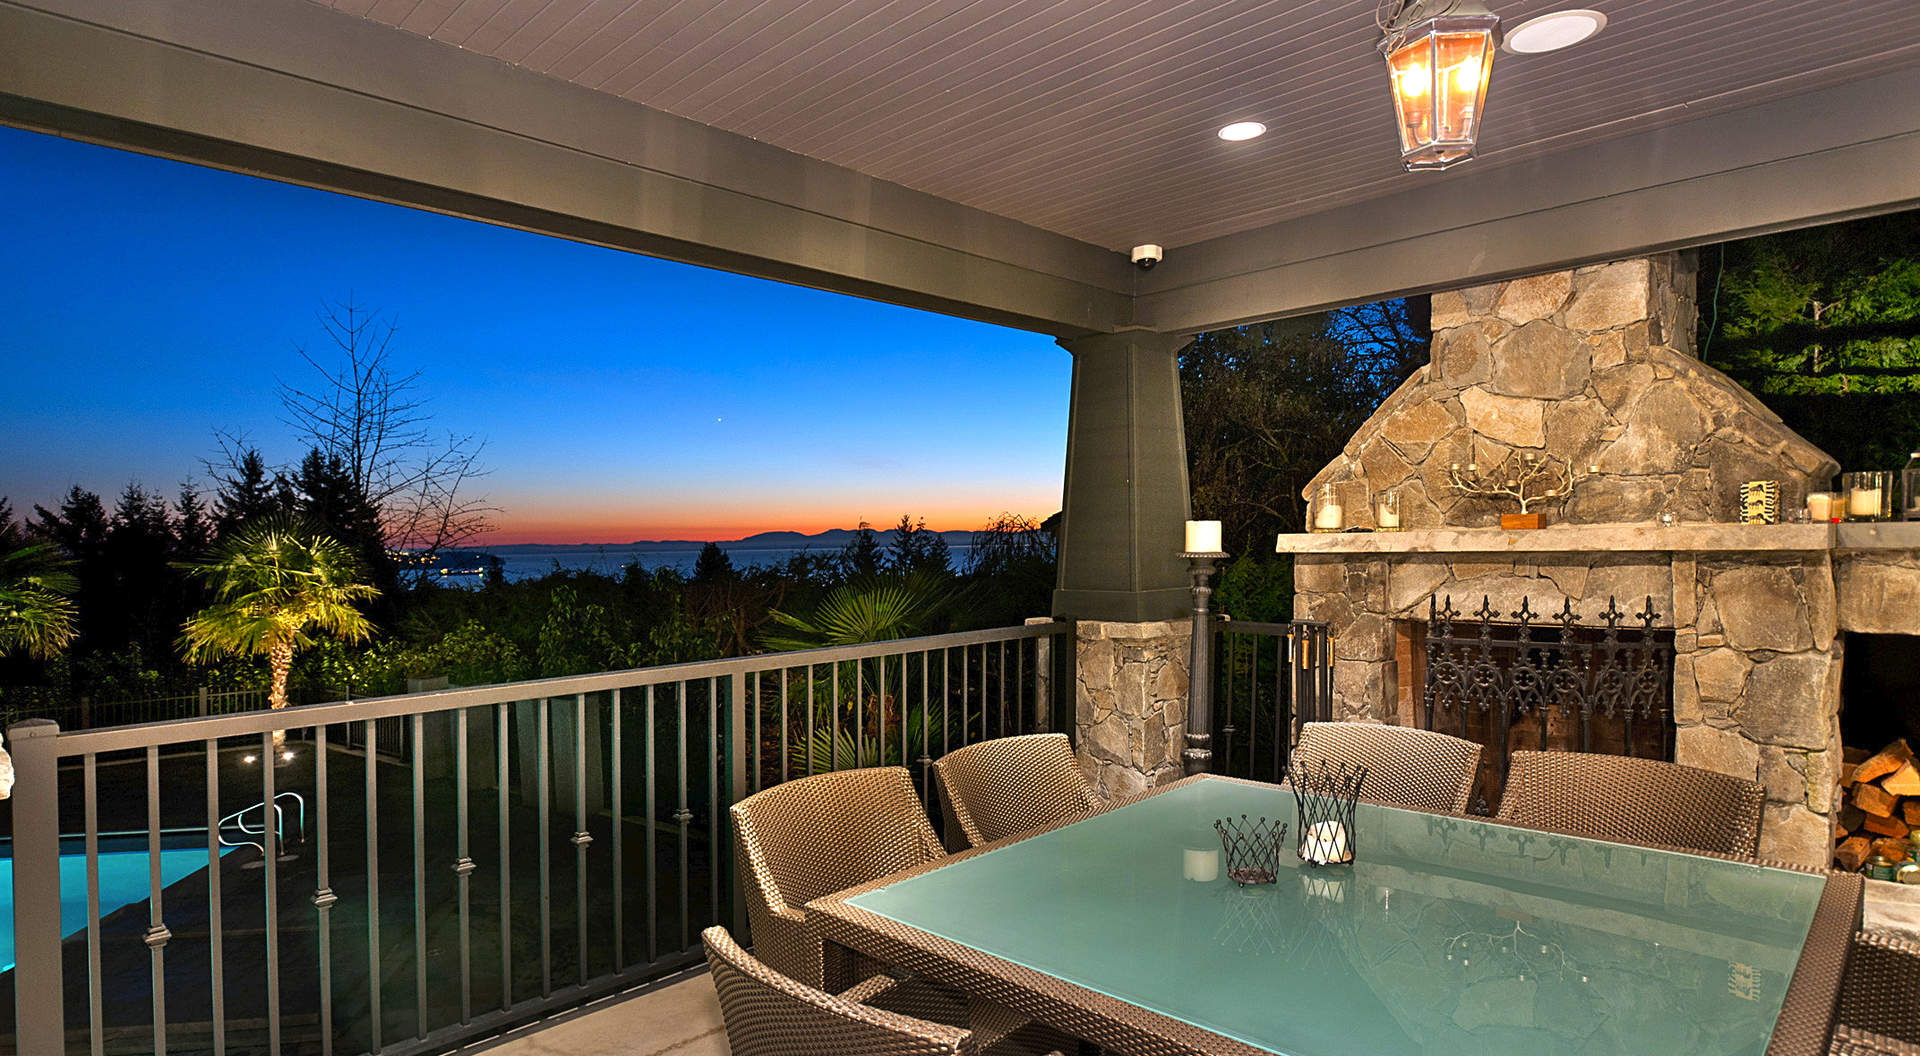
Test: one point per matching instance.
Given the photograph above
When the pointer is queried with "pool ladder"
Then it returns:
(237, 823)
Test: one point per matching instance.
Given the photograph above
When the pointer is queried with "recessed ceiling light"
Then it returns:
(1240, 130)
(1553, 31)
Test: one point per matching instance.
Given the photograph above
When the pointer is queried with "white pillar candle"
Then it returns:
(1329, 516)
(1863, 502)
(1387, 517)
(1200, 866)
(1203, 537)
(1820, 507)
(1326, 842)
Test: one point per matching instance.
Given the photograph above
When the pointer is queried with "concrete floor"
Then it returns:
(680, 1018)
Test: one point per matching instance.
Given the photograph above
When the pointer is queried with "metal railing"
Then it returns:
(1268, 678)
(541, 844)
(85, 713)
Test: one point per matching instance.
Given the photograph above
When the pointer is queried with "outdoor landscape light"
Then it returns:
(1553, 31)
(1439, 55)
(1240, 130)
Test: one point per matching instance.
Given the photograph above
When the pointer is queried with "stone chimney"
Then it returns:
(1593, 367)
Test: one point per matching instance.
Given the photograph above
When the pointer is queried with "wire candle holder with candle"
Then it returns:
(1324, 797)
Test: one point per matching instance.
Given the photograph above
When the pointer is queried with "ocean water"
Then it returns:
(527, 562)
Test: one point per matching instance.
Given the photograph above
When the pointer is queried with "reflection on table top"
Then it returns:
(1446, 935)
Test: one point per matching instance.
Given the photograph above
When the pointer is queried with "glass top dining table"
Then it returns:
(1445, 935)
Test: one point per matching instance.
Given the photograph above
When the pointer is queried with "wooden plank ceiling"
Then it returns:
(1096, 118)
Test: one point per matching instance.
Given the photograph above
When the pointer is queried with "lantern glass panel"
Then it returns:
(1412, 70)
(1464, 61)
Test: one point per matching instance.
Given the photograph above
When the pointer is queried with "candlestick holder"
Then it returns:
(1251, 849)
(1324, 797)
(1197, 757)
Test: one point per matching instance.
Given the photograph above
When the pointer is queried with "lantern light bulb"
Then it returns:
(1413, 81)
(1466, 76)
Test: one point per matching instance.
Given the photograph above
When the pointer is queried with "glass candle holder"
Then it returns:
(1824, 507)
(1869, 495)
(1327, 513)
(1386, 511)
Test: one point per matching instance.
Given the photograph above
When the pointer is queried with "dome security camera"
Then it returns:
(1145, 257)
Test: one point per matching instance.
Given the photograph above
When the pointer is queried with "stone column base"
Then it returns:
(1130, 704)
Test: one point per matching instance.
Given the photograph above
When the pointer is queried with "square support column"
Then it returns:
(1126, 498)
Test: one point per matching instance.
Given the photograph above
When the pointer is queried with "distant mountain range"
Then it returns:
(831, 539)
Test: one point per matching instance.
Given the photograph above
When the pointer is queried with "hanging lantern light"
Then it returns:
(1439, 54)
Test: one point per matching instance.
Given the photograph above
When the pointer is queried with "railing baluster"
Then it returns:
(653, 891)
(1282, 707)
(419, 875)
(618, 815)
(946, 700)
(683, 815)
(786, 680)
(1020, 685)
(752, 701)
(926, 724)
(860, 711)
(38, 973)
(323, 896)
(714, 871)
(506, 863)
(812, 705)
(1003, 687)
(157, 934)
(581, 837)
(372, 811)
(463, 866)
(833, 752)
(721, 862)
(270, 840)
(96, 1015)
(543, 756)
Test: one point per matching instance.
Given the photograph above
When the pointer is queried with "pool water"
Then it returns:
(123, 881)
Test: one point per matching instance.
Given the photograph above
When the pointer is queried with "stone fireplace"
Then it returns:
(1594, 367)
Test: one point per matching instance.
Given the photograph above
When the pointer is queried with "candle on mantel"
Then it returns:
(1203, 537)
(1329, 517)
(1819, 507)
(1863, 502)
(1388, 515)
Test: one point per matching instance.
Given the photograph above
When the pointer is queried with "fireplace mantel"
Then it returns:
(1617, 539)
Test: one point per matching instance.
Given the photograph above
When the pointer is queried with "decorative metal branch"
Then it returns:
(1526, 478)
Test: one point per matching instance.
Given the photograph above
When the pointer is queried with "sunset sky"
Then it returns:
(151, 303)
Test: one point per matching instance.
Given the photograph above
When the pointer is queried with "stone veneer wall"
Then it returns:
(1593, 367)
(1130, 706)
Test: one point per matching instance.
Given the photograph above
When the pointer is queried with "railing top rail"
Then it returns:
(200, 728)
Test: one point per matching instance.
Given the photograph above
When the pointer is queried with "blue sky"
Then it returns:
(151, 303)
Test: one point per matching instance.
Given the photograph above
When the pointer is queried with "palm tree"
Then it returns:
(36, 616)
(280, 584)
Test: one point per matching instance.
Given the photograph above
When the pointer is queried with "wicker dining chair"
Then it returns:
(1879, 998)
(1617, 797)
(766, 1013)
(998, 788)
(817, 835)
(1405, 767)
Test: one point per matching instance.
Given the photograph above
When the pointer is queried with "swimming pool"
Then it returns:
(123, 881)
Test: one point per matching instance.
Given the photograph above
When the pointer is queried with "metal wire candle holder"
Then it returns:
(1251, 848)
(1324, 796)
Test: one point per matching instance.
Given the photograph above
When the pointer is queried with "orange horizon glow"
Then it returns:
(587, 530)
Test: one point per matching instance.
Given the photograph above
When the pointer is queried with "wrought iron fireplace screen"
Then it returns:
(1546, 683)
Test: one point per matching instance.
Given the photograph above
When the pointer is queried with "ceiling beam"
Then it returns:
(293, 91)
(1846, 151)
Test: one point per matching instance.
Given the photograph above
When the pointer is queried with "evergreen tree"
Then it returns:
(248, 491)
(916, 550)
(328, 497)
(139, 551)
(11, 531)
(1823, 324)
(713, 565)
(862, 557)
(194, 529)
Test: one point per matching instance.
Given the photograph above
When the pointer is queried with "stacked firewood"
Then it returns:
(1881, 805)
